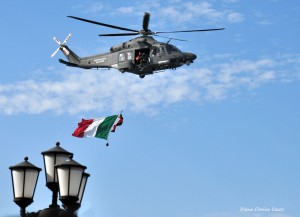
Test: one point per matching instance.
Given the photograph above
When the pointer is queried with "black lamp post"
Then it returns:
(24, 179)
(71, 177)
(62, 174)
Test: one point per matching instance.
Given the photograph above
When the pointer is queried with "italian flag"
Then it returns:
(99, 127)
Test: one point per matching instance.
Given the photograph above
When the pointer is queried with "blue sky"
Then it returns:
(205, 140)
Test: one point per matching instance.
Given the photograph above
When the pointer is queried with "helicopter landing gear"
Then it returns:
(142, 76)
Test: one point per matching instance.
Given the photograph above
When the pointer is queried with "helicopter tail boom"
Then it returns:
(72, 57)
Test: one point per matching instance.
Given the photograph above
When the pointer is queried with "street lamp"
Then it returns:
(70, 177)
(52, 157)
(24, 179)
(63, 174)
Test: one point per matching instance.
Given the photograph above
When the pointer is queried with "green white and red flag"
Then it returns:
(100, 127)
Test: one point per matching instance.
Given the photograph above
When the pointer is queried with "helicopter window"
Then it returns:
(153, 52)
(121, 57)
(129, 56)
(161, 50)
(171, 48)
(125, 56)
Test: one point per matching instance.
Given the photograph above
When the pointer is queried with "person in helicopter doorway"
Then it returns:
(140, 59)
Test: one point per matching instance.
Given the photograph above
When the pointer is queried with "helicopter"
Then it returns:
(142, 55)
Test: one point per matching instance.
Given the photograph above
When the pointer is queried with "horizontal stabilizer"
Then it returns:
(68, 63)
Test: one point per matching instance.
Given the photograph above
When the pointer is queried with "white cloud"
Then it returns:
(180, 11)
(190, 11)
(262, 18)
(231, 1)
(90, 8)
(265, 22)
(77, 91)
(126, 10)
(235, 17)
(203, 9)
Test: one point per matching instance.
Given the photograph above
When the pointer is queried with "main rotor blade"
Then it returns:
(196, 30)
(146, 21)
(119, 34)
(103, 24)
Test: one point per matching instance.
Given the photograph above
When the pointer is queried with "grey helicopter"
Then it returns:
(142, 55)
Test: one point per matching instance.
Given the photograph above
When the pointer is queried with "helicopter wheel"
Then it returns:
(142, 76)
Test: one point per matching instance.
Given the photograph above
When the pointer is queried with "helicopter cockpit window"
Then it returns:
(153, 52)
(161, 50)
(171, 49)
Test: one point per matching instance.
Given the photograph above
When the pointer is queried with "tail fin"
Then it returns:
(72, 57)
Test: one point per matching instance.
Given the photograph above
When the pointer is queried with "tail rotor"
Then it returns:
(61, 45)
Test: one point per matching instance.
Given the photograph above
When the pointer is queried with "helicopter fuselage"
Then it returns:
(155, 56)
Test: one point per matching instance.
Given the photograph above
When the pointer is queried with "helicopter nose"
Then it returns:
(191, 56)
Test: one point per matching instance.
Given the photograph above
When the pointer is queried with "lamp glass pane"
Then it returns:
(63, 174)
(60, 158)
(82, 186)
(49, 166)
(76, 176)
(18, 180)
(30, 182)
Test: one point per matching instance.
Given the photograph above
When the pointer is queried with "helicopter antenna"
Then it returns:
(177, 39)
